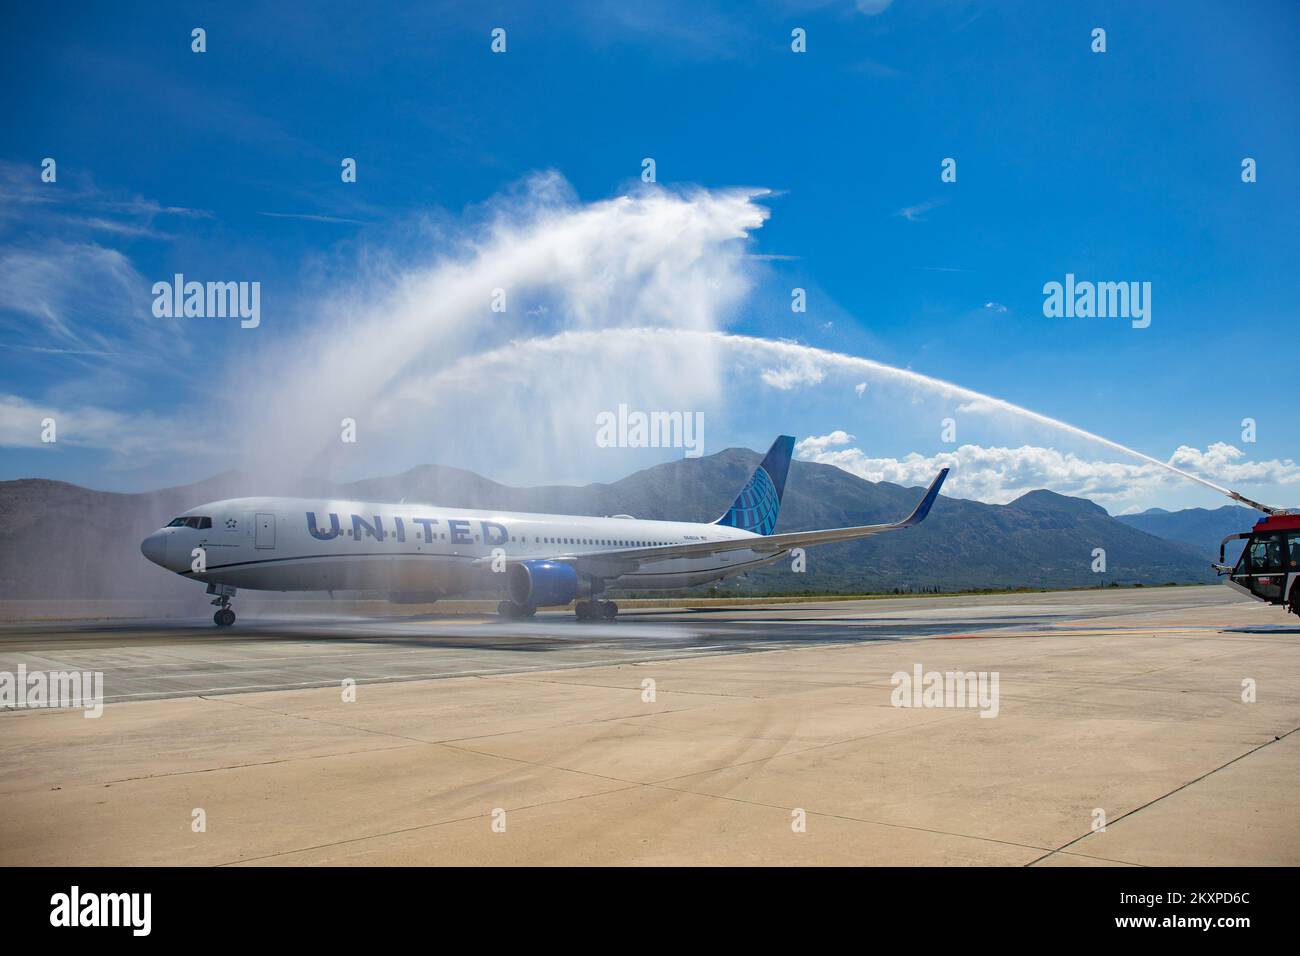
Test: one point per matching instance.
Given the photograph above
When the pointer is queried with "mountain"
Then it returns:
(1202, 528)
(60, 540)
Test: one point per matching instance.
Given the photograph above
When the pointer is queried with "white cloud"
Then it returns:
(1225, 463)
(809, 448)
(89, 426)
(999, 474)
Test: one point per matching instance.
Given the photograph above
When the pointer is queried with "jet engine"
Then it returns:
(542, 583)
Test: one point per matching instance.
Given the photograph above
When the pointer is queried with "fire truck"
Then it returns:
(1269, 566)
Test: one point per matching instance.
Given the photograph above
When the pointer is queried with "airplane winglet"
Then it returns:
(923, 509)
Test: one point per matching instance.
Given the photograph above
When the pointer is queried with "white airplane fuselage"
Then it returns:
(423, 552)
(300, 544)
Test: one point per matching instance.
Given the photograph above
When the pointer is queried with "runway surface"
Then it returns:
(1129, 727)
(142, 660)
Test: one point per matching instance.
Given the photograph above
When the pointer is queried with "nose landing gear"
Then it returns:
(225, 615)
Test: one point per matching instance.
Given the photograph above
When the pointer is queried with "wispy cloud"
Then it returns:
(917, 213)
(76, 203)
(91, 426)
(873, 68)
(80, 298)
(313, 217)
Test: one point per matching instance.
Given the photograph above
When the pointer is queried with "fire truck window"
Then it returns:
(1294, 563)
(1266, 554)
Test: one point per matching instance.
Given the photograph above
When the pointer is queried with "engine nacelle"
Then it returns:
(542, 583)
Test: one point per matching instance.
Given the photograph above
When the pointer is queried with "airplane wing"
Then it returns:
(623, 561)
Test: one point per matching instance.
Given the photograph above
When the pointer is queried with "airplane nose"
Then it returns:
(154, 548)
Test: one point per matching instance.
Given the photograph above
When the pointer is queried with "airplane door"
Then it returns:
(265, 535)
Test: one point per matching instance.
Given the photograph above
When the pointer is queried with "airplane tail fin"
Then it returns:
(756, 507)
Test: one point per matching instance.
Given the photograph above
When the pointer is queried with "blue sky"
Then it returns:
(225, 165)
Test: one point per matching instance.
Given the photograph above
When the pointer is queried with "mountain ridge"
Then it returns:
(60, 540)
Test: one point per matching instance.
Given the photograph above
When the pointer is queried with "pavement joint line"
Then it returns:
(450, 743)
(537, 764)
(1101, 859)
(386, 679)
(1277, 738)
(810, 748)
(577, 722)
(528, 679)
(1185, 663)
(851, 819)
(422, 826)
(630, 785)
(272, 661)
(240, 766)
(330, 723)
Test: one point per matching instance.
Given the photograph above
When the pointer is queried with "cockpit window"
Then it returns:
(192, 521)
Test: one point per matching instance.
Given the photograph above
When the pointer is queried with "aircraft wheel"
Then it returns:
(224, 618)
(609, 610)
(582, 611)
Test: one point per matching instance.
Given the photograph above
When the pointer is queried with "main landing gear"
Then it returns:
(595, 610)
(225, 615)
(513, 612)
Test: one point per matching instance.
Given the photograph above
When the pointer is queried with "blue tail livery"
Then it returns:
(759, 502)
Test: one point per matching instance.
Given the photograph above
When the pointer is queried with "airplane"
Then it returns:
(537, 560)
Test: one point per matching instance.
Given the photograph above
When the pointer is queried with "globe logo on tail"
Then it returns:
(756, 506)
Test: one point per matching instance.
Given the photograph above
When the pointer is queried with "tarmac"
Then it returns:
(1115, 727)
